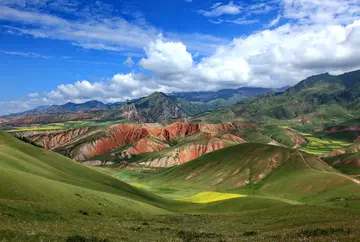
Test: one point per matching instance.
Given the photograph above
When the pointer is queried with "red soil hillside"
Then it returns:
(147, 145)
(189, 151)
(86, 143)
(54, 139)
(194, 151)
(2, 120)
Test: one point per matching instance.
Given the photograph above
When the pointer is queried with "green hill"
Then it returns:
(346, 159)
(348, 163)
(323, 94)
(258, 170)
(32, 174)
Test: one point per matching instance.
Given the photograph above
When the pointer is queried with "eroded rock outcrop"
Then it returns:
(84, 144)
(147, 145)
(116, 136)
(190, 152)
(53, 139)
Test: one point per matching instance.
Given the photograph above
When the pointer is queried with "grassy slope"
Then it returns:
(41, 194)
(32, 174)
(346, 163)
(327, 95)
(298, 177)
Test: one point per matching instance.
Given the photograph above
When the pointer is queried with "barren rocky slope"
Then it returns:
(170, 145)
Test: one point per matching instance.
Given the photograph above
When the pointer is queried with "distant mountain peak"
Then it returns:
(94, 102)
(68, 104)
(157, 94)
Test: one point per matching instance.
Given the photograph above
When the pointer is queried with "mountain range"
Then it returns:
(322, 94)
(157, 107)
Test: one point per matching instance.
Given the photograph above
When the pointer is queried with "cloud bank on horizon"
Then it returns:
(302, 38)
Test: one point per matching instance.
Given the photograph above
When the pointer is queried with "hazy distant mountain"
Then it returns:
(231, 95)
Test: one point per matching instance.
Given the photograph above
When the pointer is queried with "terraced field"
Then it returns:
(317, 146)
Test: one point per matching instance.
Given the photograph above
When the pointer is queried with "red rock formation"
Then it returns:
(179, 130)
(185, 154)
(86, 143)
(146, 145)
(56, 140)
(53, 139)
(118, 135)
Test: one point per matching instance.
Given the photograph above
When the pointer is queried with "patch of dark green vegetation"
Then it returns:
(28, 140)
(323, 232)
(83, 213)
(188, 236)
(79, 238)
(250, 233)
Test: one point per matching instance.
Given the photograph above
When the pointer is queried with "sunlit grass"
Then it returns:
(22, 129)
(284, 126)
(207, 197)
(138, 185)
(66, 125)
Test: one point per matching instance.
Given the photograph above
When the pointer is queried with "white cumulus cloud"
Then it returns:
(219, 9)
(167, 58)
(270, 58)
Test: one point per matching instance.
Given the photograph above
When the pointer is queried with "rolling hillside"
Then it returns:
(323, 94)
(35, 175)
(47, 197)
(346, 159)
(258, 169)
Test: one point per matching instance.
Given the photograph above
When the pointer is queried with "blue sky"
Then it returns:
(55, 51)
